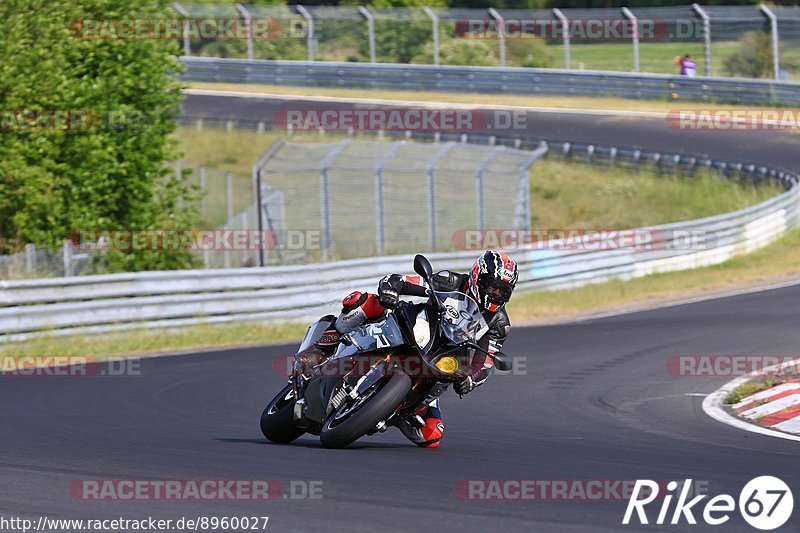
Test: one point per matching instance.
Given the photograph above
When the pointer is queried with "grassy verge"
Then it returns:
(777, 261)
(555, 102)
(753, 387)
(578, 196)
(152, 342)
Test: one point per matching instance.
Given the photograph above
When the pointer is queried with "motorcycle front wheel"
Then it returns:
(277, 420)
(355, 418)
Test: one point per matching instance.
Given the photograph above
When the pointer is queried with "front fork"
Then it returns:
(352, 386)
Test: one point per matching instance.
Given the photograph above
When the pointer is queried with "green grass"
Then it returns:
(742, 391)
(154, 342)
(576, 196)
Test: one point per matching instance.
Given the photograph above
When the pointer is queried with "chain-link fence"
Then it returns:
(33, 262)
(741, 41)
(358, 198)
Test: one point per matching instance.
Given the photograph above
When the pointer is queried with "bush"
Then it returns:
(753, 59)
(468, 52)
(530, 52)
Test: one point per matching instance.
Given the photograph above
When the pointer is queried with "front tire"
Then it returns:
(337, 433)
(277, 420)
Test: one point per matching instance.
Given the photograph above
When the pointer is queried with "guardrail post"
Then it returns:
(501, 33)
(706, 35)
(432, 165)
(371, 29)
(435, 22)
(274, 235)
(635, 23)
(228, 197)
(325, 206)
(523, 210)
(248, 24)
(244, 226)
(66, 256)
(565, 29)
(380, 231)
(204, 189)
(309, 32)
(484, 163)
(187, 48)
(30, 258)
(257, 194)
(229, 209)
(776, 67)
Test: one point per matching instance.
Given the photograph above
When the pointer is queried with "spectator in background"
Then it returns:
(688, 67)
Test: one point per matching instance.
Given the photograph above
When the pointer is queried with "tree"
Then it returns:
(103, 168)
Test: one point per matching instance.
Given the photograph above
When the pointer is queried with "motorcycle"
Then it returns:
(393, 369)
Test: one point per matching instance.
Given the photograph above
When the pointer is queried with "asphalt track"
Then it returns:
(774, 147)
(594, 401)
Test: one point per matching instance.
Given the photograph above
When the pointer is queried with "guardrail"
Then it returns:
(372, 33)
(146, 300)
(497, 80)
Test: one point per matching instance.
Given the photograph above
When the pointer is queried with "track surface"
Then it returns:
(772, 147)
(595, 402)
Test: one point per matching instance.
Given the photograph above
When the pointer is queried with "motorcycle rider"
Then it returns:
(490, 283)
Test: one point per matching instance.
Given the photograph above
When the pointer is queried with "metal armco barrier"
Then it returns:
(519, 81)
(95, 304)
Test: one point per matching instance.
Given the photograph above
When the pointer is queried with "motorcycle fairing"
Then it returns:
(370, 337)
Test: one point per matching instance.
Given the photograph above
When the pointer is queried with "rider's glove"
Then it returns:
(464, 386)
(388, 295)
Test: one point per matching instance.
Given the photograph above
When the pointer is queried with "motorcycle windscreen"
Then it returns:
(315, 331)
(370, 337)
(461, 318)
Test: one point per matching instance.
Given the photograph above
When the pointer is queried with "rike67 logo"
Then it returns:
(765, 503)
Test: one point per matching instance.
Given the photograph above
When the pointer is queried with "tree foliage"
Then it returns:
(109, 173)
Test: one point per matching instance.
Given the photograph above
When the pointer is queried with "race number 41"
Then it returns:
(765, 503)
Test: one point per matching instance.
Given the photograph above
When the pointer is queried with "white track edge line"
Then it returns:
(421, 103)
(712, 406)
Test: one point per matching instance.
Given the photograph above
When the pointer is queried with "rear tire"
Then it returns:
(277, 420)
(364, 420)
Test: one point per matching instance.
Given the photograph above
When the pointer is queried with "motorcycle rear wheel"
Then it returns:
(342, 428)
(277, 420)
